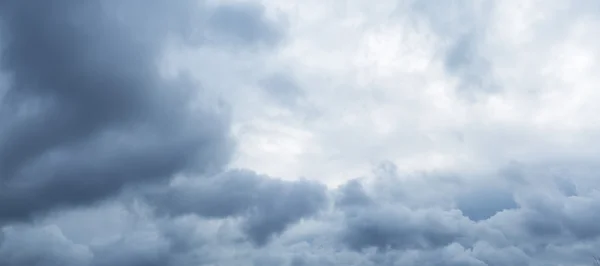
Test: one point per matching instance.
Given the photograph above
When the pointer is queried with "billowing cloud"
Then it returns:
(87, 110)
(267, 205)
(298, 133)
(375, 230)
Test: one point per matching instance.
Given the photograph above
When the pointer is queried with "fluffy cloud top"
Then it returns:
(298, 133)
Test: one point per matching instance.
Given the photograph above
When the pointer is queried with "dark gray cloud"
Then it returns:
(268, 206)
(375, 230)
(515, 223)
(497, 199)
(351, 194)
(401, 228)
(87, 111)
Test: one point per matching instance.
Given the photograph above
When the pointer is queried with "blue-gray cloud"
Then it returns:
(89, 119)
(87, 111)
(243, 24)
(281, 220)
(283, 89)
(267, 205)
(496, 199)
(462, 25)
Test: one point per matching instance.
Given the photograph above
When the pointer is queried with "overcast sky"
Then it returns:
(299, 132)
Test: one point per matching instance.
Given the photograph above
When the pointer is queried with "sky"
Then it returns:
(299, 133)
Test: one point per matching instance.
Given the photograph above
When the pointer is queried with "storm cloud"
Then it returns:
(241, 218)
(268, 206)
(87, 110)
(176, 133)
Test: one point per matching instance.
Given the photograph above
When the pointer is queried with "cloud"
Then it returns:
(41, 246)
(267, 205)
(376, 230)
(462, 24)
(283, 89)
(296, 133)
(139, 248)
(243, 24)
(497, 201)
(403, 229)
(87, 111)
(88, 108)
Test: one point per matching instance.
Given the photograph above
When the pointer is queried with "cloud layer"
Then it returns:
(298, 133)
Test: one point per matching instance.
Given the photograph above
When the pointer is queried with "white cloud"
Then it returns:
(376, 87)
